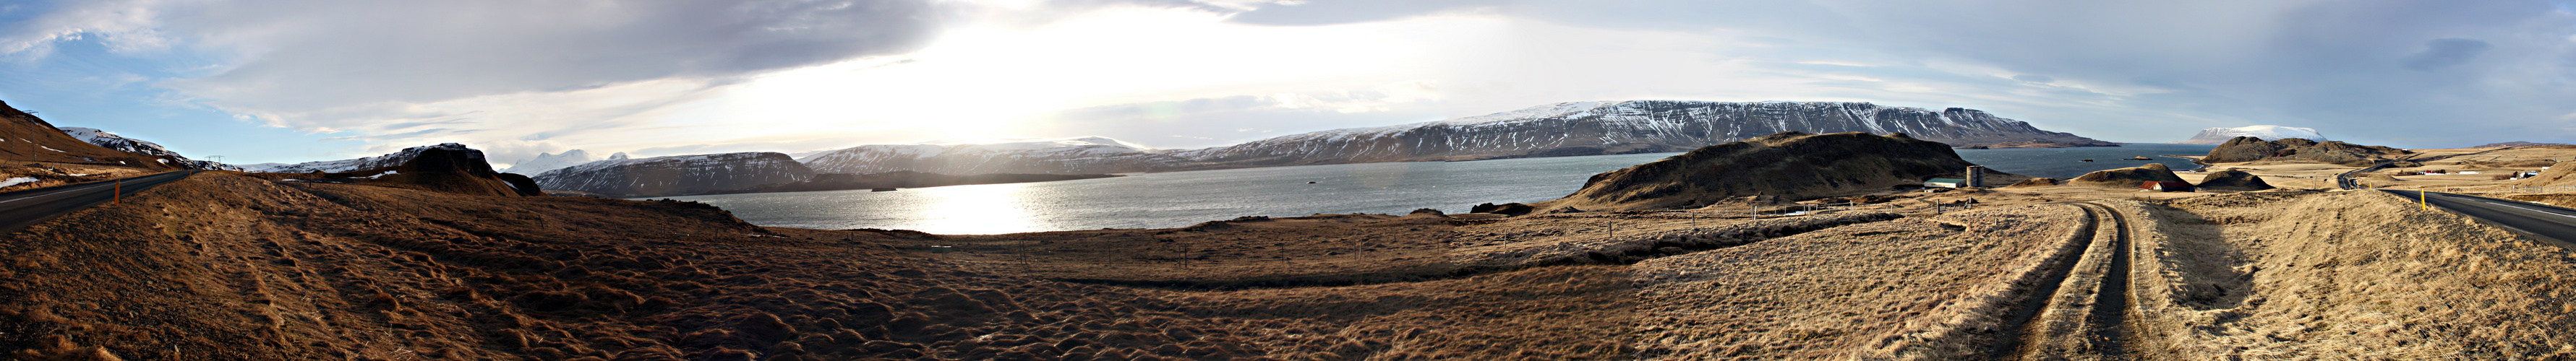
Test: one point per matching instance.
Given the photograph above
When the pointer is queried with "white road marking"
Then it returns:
(2531, 209)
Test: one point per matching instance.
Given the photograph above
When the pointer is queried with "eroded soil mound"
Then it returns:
(1790, 164)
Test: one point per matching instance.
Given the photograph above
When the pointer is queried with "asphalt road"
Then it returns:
(21, 208)
(2555, 224)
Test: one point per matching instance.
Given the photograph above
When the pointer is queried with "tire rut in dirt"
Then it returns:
(2083, 314)
(2111, 306)
(2015, 332)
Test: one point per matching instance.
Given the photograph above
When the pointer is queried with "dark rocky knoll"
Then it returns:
(1643, 126)
(2248, 149)
(443, 170)
(2233, 180)
(351, 165)
(2127, 177)
(677, 175)
(905, 179)
(1789, 164)
(26, 138)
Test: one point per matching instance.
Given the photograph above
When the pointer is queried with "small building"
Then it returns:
(1945, 183)
(2165, 186)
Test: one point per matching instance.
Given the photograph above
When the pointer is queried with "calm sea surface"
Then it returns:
(1161, 200)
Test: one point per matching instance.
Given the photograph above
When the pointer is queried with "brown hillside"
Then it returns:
(2247, 149)
(26, 138)
(2127, 177)
(2556, 175)
(1790, 164)
(2233, 180)
(226, 267)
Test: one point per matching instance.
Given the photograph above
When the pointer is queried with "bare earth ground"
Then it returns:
(56, 174)
(223, 266)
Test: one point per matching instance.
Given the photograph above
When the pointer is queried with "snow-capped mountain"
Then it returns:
(130, 145)
(676, 175)
(259, 167)
(2267, 132)
(1624, 127)
(546, 162)
(1084, 155)
(381, 161)
(1554, 130)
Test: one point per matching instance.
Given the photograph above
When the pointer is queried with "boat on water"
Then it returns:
(2088, 159)
(880, 189)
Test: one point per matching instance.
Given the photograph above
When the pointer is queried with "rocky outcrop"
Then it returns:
(388, 160)
(432, 169)
(130, 145)
(1508, 209)
(2247, 149)
(676, 175)
(2233, 180)
(26, 138)
(2128, 177)
(1643, 126)
(2221, 135)
(523, 185)
(1086, 155)
(1791, 164)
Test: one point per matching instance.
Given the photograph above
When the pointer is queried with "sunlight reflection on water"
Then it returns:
(1177, 199)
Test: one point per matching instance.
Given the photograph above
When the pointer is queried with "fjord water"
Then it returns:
(1162, 200)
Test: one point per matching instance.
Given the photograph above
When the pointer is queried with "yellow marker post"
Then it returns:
(2422, 201)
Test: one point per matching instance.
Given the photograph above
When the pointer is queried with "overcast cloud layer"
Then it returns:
(679, 77)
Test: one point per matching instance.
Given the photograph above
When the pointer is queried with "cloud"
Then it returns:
(2440, 53)
(673, 76)
(1326, 12)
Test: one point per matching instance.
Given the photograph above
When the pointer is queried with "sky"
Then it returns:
(305, 80)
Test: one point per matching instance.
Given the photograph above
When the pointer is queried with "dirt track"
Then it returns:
(230, 267)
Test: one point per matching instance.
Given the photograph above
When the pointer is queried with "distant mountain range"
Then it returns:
(676, 175)
(1554, 130)
(1086, 155)
(548, 161)
(2266, 132)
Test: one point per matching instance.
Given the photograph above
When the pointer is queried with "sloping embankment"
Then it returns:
(1924, 287)
(2345, 275)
